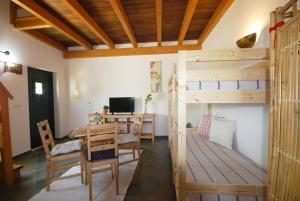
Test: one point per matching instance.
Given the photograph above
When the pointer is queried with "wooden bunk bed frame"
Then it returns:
(284, 118)
(189, 179)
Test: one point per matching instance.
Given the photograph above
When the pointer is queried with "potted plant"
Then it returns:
(105, 109)
(147, 99)
(99, 119)
(189, 125)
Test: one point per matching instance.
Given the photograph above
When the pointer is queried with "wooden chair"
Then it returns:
(102, 149)
(132, 140)
(58, 153)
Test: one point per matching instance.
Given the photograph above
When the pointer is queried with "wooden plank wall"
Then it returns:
(284, 136)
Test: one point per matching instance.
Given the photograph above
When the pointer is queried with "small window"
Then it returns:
(38, 88)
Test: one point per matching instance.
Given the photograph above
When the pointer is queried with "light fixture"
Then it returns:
(5, 52)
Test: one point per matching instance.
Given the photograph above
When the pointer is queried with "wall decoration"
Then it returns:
(10, 67)
(155, 77)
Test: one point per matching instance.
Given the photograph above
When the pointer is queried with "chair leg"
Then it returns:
(112, 171)
(133, 152)
(81, 168)
(139, 151)
(49, 174)
(117, 176)
(90, 176)
(86, 173)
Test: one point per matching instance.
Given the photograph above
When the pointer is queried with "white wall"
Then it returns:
(29, 52)
(97, 79)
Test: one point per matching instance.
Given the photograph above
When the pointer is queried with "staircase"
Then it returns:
(9, 172)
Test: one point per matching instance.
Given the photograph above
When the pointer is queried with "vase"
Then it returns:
(145, 112)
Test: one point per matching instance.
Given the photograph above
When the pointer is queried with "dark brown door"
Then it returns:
(40, 91)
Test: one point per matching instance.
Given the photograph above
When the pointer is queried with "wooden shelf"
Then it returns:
(148, 120)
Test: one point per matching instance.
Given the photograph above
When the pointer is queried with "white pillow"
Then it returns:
(222, 131)
(66, 147)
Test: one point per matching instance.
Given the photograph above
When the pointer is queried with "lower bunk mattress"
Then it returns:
(216, 173)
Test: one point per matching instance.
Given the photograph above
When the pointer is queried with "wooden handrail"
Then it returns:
(9, 172)
(5, 91)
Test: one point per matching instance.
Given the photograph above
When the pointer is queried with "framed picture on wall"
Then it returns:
(155, 77)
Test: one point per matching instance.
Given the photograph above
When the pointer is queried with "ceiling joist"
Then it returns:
(88, 21)
(129, 51)
(43, 38)
(37, 10)
(120, 13)
(30, 22)
(189, 12)
(213, 21)
(158, 8)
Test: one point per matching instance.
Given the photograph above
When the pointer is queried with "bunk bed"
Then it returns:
(203, 170)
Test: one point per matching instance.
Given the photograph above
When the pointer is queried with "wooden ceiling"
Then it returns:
(88, 23)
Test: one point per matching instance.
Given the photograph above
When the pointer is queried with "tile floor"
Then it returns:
(152, 179)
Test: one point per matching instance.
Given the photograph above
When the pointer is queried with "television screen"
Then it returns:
(121, 105)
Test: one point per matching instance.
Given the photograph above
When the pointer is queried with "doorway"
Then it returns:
(40, 92)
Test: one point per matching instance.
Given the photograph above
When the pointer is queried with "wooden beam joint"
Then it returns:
(189, 12)
(213, 21)
(158, 8)
(36, 9)
(31, 22)
(88, 21)
(121, 15)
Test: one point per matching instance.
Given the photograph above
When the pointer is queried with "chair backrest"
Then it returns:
(46, 136)
(138, 125)
(102, 137)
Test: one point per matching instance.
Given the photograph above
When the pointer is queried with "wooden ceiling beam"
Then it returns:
(129, 51)
(78, 10)
(43, 38)
(213, 21)
(37, 10)
(121, 15)
(30, 22)
(13, 11)
(189, 12)
(158, 8)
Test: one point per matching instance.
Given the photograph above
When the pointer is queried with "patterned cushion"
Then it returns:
(127, 138)
(67, 147)
(204, 126)
(101, 155)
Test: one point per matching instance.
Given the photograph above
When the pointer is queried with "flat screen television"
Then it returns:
(121, 105)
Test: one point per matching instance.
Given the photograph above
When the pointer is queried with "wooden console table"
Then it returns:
(128, 119)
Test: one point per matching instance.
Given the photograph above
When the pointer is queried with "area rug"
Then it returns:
(103, 185)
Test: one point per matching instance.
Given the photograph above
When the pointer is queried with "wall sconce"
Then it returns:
(5, 52)
(76, 94)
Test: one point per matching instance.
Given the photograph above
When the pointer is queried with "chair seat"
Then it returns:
(127, 138)
(67, 147)
(100, 155)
